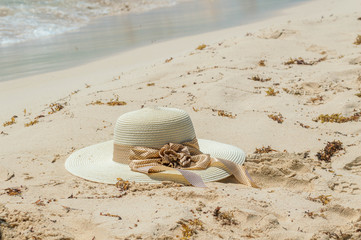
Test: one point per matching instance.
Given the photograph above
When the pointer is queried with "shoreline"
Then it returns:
(268, 85)
(111, 35)
(80, 75)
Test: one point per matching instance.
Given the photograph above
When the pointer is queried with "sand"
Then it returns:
(301, 197)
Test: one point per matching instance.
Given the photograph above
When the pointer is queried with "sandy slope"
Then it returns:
(201, 82)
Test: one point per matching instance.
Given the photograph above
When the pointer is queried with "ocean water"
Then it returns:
(22, 20)
(38, 36)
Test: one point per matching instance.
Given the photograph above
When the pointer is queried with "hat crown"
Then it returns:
(153, 127)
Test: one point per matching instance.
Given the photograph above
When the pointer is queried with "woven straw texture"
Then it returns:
(153, 127)
(95, 163)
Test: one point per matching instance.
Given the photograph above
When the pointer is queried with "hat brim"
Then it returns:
(95, 163)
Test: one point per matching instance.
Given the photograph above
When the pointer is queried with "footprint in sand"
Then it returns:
(342, 186)
(354, 166)
(281, 170)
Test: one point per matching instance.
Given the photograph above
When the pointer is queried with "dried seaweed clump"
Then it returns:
(226, 218)
(150, 84)
(55, 107)
(97, 102)
(330, 150)
(358, 94)
(337, 118)
(223, 113)
(271, 92)
(11, 122)
(168, 60)
(122, 185)
(116, 102)
(278, 118)
(201, 47)
(190, 227)
(13, 191)
(264, 150)
(259, 79)
(31, 123)
(358, 40)
(301, 61)
(324, 199)
(262, 63)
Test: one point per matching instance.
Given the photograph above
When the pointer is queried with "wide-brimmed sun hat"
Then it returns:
(158, 144)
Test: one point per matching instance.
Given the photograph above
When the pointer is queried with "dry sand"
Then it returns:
(301, 197)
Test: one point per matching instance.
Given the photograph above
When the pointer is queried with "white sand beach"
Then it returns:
(293, 68)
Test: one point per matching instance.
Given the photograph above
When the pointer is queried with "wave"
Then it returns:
(23, 20)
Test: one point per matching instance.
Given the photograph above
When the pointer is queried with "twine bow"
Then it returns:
(183, 158)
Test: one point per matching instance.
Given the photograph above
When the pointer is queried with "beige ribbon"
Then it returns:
(179, 157)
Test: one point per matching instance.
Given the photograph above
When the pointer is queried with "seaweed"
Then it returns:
(262, 63)
(190, 227)
(11, 122)
(116, 102)
(271, 92)
(301, 61)
(201, 47)
(278, 118)
(112, 102)
(110, 215)
(324, 199)
(39, 203)
(223, 113)
(259, 79)
(330, 149)
(13, 191)
(226, 218)
(75, 92)
(316, 99)
(264, 150)
(150, 84)
(55, 107)
(357, 40)
(303, 125)
(122, 185)
(195, 109)
(337, 118)
(314, 215)
(358, 94)
(168, 60)
(97, 102)
(31, 123)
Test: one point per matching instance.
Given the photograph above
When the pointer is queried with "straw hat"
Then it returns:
(150, 129)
